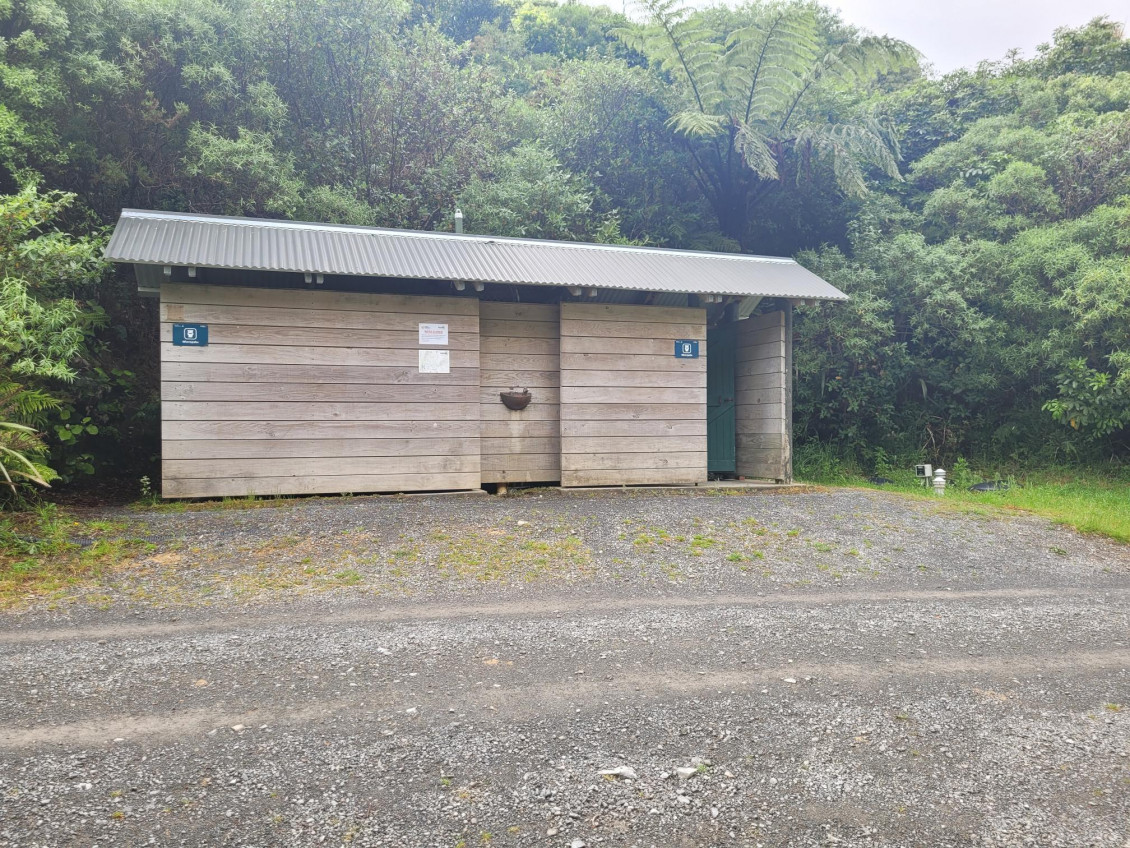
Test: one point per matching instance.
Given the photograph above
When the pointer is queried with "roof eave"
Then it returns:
(461, 279)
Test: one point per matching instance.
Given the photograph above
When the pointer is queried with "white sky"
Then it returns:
(961, 33)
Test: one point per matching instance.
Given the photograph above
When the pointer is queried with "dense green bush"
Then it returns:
(980, 221)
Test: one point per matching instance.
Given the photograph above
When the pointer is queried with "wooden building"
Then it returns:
(304, 358)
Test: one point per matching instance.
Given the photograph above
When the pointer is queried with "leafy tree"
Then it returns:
(400, 124)
(540, 29)
(43, 327)
(1090, 401)
(1100, 47)
(461, 20)
(931, 112)
(571, 30)
(528, 194)
(241, 176)
(605, 121)
(41, 272)
(965, 345)
(905, 365)
(990, 288)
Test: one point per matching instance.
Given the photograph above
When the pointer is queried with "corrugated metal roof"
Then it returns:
(204, 241)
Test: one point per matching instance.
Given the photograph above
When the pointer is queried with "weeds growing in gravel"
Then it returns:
(149, 504)
(47, 550)
(496, 555)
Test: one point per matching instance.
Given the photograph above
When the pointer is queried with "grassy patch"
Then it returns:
(1089, 503)
(47, 550)
(349, 577)
(702, 543)
(1090, 507)
(500, 555)
(651, 537)
(737, 556)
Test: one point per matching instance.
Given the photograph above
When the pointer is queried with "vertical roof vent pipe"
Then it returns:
(458, 220)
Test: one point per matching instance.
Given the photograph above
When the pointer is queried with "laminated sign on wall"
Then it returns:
(435, 362)
(433, 334)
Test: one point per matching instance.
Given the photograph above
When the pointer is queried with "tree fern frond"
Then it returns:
(631, 37)
(765, 64)
(756, 152)
(860, 62)
(866, 143)
(681, 46)
(790, 38)
(695, 124)
(847, 147)
(855, 63)
(14, 462)
(24, 405)
(18, 444)
(773, 94)
(884, 137)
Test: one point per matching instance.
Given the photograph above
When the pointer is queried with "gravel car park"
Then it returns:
(614, 668)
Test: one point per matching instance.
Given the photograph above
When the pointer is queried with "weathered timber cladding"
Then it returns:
(763, 393)
(631, 413)
(307, 391)
(519, 347)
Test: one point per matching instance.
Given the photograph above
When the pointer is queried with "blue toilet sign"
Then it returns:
(686, 349)
(190, 335)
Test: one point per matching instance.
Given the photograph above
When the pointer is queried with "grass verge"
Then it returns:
(1089, 505)
(155, 504)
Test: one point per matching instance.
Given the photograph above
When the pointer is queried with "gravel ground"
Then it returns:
(844, 668)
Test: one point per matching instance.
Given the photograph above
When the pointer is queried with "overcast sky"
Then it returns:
(961, 33)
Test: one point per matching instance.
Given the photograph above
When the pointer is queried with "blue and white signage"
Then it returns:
(686, 349)
(190, 335)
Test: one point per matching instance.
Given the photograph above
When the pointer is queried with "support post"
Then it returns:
(788, 392)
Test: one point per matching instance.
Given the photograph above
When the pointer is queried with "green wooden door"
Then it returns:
(721, 441)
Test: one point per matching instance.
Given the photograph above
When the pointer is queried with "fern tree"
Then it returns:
(753, 102)
(22, 450)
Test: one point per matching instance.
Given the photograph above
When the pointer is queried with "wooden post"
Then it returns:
(788, 309)
(764, 402)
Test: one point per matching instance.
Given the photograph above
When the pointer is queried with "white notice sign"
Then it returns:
(433, 334)
(435, 361)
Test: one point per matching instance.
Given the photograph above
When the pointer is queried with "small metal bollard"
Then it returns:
(939, 481)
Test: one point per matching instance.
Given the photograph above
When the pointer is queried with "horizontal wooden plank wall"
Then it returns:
(304, 391)
(764, 397)
(519, 347)
(631, 413)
